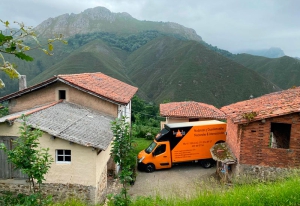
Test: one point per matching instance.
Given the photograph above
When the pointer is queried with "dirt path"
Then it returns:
(181, 180)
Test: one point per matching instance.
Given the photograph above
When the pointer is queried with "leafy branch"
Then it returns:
(12, 41)
(123, 154)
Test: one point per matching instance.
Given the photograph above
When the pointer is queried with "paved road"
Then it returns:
(180, 180)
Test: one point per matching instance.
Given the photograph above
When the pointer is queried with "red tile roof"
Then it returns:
(97, 84)
(191, 109)
(101, 84)
(266, 106)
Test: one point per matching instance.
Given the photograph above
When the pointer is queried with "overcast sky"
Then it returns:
(228, 24)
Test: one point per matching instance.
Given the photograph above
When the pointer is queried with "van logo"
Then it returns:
(179, 134)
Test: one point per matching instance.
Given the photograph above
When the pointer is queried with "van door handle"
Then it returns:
(165, 156)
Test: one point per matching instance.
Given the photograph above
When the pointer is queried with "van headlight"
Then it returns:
(141, 159)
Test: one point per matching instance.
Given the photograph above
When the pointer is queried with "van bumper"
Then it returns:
(141, 166)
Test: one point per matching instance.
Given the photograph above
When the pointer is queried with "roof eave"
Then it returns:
(243, 121)
(93, 93)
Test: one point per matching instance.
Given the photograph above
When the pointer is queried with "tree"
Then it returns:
(12, 41)
(123, 154)
(27, 156)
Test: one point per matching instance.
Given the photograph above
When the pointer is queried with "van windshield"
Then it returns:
(150, 148)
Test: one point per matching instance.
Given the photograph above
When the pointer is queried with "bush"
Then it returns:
(143, 131)
(9, 199)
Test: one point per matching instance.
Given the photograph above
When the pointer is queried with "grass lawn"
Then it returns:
(141, 144)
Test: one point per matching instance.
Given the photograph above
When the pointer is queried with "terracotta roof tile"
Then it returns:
(190, 109)
(103, 85)
(266, 106)
(97, 84)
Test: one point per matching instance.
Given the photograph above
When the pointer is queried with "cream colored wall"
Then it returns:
(6, 130)
(33, 99)
(49, 94)
(81, 170)
(85, 165)
(101, 162)
(78, 97)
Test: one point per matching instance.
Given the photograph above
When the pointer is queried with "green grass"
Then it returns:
(141, 144)
(284, 192)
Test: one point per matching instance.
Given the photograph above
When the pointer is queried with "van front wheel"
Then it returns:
(150, 168)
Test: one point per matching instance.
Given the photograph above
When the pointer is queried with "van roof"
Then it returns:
(197, 123)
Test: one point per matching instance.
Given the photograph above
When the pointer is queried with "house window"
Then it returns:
(61, 94)
(63, 155)
(280, 135)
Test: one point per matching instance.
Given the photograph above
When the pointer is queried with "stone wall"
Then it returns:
(243, 172)
(58, 191)
(102, 186)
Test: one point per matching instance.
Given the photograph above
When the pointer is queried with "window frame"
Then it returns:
(63, 155)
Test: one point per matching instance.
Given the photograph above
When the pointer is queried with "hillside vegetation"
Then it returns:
(168, 68)
(283, 71)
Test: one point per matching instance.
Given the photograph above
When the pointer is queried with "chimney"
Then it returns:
(22, 82)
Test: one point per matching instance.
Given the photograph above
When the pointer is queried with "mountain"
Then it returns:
(283, 71)
(273, 52)
(167, 68)
(165, 60)
(100, 19)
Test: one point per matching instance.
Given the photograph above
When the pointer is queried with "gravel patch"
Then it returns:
(181, 180)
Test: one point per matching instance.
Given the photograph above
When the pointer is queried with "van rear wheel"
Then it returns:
(206, 163)
(150, 168)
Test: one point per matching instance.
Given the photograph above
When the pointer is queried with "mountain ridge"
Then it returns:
(101, 19)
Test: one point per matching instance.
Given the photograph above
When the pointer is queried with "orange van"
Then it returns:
(182, 142)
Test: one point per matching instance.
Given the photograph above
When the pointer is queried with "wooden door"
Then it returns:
(7, 170)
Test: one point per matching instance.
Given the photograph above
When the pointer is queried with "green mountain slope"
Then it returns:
(167, 68)
(171, 69)
(283, 71)
(96, 56)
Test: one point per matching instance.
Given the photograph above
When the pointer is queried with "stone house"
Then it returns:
(189, 111)
(74, 112)
(264, 133)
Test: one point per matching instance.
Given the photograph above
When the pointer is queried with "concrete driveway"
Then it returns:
(181, 180)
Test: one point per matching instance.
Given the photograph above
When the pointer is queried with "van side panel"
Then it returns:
(196, 143)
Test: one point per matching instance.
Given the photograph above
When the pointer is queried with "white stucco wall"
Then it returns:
(125, 111)
(101, 162)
